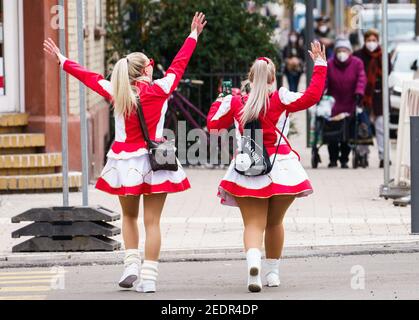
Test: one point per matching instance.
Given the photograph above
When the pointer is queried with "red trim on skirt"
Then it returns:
(269, 191)
(144, 188)
(118, 147)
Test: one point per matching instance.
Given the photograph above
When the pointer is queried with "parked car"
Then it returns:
(404, 60)
(401, 22)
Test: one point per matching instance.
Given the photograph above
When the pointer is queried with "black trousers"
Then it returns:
(339, 151)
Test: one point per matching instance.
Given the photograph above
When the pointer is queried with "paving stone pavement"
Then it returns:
(345, 209)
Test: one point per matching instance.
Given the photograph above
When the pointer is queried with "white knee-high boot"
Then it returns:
(132, 266)
(254, 281)
(272, 272)
(149, 273)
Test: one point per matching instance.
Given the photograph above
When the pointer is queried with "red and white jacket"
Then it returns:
(129, 141)
(226, 111)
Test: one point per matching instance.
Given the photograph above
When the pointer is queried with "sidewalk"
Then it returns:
(344, 210)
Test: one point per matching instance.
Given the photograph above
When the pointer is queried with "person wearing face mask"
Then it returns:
(294, 58)
(324, 34)
(371, 55)
(346, 82)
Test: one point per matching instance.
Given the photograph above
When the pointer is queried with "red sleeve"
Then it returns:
(92, 80)
(174, 74)
(294, 102)
(221, 115)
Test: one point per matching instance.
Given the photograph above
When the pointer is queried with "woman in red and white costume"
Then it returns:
(264, 200)
(128, 173)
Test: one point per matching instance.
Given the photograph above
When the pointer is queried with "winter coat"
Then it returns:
(377, 104)
(344, 81)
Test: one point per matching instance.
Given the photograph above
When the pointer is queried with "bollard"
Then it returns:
(414, 171)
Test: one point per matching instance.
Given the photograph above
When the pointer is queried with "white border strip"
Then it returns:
(21, 36)
(289, 220)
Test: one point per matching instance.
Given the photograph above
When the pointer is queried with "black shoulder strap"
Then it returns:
(270, 122)
(281, 135)
(143, 124)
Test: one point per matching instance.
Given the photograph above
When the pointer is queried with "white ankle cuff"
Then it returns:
(253, 257)
(132, 256)
(253, 254)
(272, 261)
(271, 266)
(149, 270)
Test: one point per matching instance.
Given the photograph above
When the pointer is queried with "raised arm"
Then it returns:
(294, 101)
(92, 80)
(177, 69)
(220, 115)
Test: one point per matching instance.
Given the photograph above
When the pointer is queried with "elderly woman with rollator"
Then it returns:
(346, 83)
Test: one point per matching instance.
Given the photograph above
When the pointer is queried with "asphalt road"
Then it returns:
(386, 276)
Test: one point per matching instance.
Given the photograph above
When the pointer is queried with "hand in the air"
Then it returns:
(317, 51)
(51, 48)
(198, 23)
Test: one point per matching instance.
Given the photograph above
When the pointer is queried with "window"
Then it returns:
(99, 13)
(99, 25)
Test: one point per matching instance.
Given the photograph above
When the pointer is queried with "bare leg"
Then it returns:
(130, 207)
(274, 235)
(153, 207)
(254, 212)
(132, 260)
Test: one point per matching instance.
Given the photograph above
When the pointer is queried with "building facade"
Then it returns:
(30, 90)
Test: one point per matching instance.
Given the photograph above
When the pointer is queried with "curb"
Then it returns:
(31, 260)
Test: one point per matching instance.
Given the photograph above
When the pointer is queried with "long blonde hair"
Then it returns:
(125, 71)
(262, 82)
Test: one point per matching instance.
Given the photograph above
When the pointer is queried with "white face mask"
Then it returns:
(342, 56)
(323, 28)
(371, 45)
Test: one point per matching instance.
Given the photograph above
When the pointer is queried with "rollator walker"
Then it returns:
(353, 128)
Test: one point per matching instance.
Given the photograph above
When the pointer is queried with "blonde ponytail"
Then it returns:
(262, 83)
(124, 97)
(124, 73)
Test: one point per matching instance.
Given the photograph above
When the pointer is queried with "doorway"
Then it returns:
(9, 57)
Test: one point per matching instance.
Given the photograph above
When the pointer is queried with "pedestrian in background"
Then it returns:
(371, 55)
(294, 55)
(325, 34)
(346, 83)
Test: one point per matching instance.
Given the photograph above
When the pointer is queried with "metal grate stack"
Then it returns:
(62, 229)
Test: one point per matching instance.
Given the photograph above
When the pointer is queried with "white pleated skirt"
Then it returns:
(287, 177)
(133, 176)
